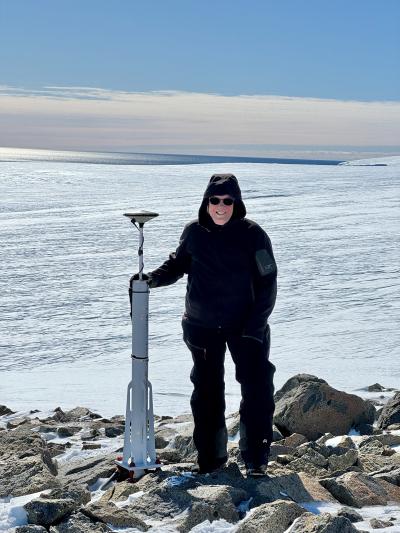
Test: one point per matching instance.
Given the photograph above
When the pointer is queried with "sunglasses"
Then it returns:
(216, 201)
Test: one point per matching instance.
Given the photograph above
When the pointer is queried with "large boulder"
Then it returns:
(309, 406)
(85, 472)
(276, 517)
(390, 414)
(358, 490)
(323, 523)
(26, 465)
(300, 487)
(45, 512)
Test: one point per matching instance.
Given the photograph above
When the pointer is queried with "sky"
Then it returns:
(123, 75)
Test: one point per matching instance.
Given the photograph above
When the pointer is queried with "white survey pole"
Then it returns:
(139, 453)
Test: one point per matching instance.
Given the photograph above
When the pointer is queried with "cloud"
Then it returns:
(88, 118)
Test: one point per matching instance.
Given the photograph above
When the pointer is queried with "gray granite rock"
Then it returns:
(339, 463)
(114, 430)
(390, 413)
(109, 513)
(211, 503)
(323, 523)
(79, 523)
(375, 523)
(80, 495)
(26, 465)
(276, 516)
(357, 490)
(350, 514)
(45, 512)
(85, 472)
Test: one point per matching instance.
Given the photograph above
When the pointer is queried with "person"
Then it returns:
(231, 292)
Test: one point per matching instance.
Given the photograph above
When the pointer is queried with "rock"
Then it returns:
(109, 513)
(347, 442)
(67, 431)
(388, 439)
(57, 448)
(295, 439)
(294, 382)
(322, 440)
(350, 514)
(311, 407)
(365, 429)
(26, 465)
(357, 490)
(89, 434)
(212, 503)
(78, 414)
(114, 430)
(379, 524)
(298, 487)
(184, 445)
(179, 493)
(391, 474)
(85, 472)
(278, 449)
(90, 446)
(169, 455)
(45, 512)
(120, 491)
(376, 387)
(79, 523)
(371, 445)
(390, 413)
(80, 495)
(4, 410)
(323, 523)
(337, 463)
(16, 422)
(313, 453)
(370, 462)
(163, 437)
(276, 517)
(30, 529)
(233, 425)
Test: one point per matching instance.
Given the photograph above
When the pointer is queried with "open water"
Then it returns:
(67, 254)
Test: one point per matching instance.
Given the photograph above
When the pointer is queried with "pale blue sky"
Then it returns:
(333, 51)
(347, 49)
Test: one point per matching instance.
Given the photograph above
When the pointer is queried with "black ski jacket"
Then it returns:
(231, 268)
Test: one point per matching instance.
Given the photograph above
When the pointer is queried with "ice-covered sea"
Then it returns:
(67, 254)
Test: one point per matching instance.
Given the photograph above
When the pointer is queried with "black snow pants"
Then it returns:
(255, 374)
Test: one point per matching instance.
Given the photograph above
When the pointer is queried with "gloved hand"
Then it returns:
(135, 277)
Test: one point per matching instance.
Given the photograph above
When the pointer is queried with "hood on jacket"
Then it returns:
(221, 184)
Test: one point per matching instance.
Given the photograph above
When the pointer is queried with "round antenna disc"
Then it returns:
(141, 216)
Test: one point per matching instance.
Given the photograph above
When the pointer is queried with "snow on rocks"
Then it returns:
(310, 470)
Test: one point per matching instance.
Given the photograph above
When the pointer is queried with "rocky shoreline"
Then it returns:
(331, 450)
